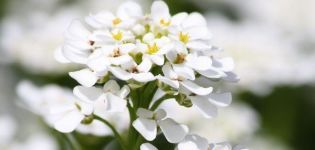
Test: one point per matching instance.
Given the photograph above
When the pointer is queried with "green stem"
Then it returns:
(138, 142)
(116, 134)
(158, 102)
(72, 141)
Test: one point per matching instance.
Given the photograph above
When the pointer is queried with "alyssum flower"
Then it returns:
(144, 54)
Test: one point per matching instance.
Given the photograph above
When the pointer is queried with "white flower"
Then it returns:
(147, 146)
(62, 110)
(92, 100)
(68, 117)
(155, 49)
(126, 15)
(131, 70)
(109, 99)
(191, 31)
(148, 122)
(79, 43)
(8, 128)
(195, 142)
(109, 55)
(177, 77)
(160, 14)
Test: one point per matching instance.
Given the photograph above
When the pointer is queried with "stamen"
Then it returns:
(184, 37)
(165, 23)
(152, 49)
(180, 58)
(117, 36)
(116, 21)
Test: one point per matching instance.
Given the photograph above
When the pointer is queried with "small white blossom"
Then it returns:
(148, 122)
(195, 142)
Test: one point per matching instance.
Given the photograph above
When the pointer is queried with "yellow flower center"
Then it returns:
(152, 49)
(116, 21)
(165, 23)
(117, 36)
(184, 37)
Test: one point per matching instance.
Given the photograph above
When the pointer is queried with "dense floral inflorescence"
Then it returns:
(141, 60)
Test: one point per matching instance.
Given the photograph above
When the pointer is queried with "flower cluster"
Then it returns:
(133, 55)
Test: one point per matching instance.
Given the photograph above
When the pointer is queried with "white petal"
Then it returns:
(99, 20)
(157, 59)
(231, 77)
(143, 77)
(184, 71)
(120, 59)
(198, 45)
(221, 146)
(172, 83)
(179, 18)
(159, 10)
(129, 9)
(124, 91)
(144, 113)
(207, 109)
(173, 131)
(220, 99)
(146, 127)
(168, 71)
(111, 86)
(120, 73)
(194, 19)
(196, 89)
(225, 64)
(147, 146)
(98, 62)
(100, 106)
(69, 122)
(193, 142)
(198, 62)
(145, 65)
(115, 103)
(75, 55)
(86, 108)
(160, 114)
(211, 73)
(148, 38)
(126, 48)
(85, 77)
(59, 56)
(87, 94)
(171, 55)
(199, 33)
(77, 30)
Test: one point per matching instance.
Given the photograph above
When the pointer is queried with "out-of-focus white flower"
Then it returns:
(293, 16)
(148, 122)
(37, 141)
(8, 129)
(261, 57)
(32, 43)
(109, 99)
(232, 124)
(54, 103)
(266, 142)
(195, 142)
